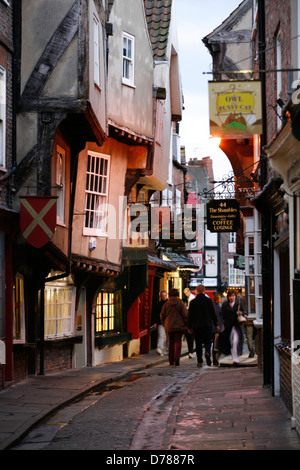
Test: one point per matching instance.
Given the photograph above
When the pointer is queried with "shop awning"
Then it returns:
(164, 264)
(181, 261)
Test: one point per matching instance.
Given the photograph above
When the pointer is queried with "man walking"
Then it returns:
(200, 318)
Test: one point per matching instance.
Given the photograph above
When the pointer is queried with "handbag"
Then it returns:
(241, 317)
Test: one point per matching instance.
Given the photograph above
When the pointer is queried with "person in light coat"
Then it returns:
(189, 336)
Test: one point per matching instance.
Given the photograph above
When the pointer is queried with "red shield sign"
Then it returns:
(197, 259)
(38, 219)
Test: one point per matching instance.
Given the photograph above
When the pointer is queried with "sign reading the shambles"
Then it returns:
(223, 215)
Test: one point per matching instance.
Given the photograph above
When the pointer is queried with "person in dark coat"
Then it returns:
(201, 316)
(231, 339)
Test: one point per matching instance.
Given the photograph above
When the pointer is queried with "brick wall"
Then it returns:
(285, 380)
(57, 357)
(296, 388)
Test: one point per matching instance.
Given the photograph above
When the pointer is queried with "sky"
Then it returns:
(195, 19)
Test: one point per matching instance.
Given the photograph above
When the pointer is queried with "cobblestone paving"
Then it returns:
(173, 408)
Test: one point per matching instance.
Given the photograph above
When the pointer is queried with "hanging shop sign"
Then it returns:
(223, 215)
(182, 232)
(197, 259)
(235, 108)
(239, 262)
(38, 219)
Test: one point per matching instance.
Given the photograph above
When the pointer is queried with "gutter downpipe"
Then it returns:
(267, 253)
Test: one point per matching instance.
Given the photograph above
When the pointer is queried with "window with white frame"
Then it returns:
(96, 194)
(19, 310)
(96, 51)
(236, 277)
(59, 307)
(128, 59)
(2, 117)
(60, 183)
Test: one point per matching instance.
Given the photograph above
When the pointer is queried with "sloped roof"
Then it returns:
(180, 260)
(158, 16)
(219, 33)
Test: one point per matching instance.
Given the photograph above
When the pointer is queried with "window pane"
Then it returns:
(105, 312)
(58, 311)
(96, 192)
(129, 49)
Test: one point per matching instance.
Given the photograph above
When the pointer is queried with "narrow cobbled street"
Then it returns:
(172, 408)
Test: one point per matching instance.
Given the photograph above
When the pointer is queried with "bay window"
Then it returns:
(105, 311)
(59, 305)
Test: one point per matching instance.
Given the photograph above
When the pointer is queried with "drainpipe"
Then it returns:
(267, 252)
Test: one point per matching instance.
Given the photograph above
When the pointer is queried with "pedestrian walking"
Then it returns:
(174, 316)
(200, 318)
(231, 339)
(215, 332)
(189, 336)
(156, 323)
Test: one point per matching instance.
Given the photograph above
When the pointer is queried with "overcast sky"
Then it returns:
(196, 19)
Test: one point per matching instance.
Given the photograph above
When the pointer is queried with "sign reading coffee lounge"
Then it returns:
(223, 215)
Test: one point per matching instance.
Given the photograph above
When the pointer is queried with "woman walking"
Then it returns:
(174, 316)
(231, 340)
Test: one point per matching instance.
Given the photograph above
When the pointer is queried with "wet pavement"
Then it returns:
(225, 408)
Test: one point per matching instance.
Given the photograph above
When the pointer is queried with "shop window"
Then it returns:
(19, 310)
(105, 311)
(59, 311)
